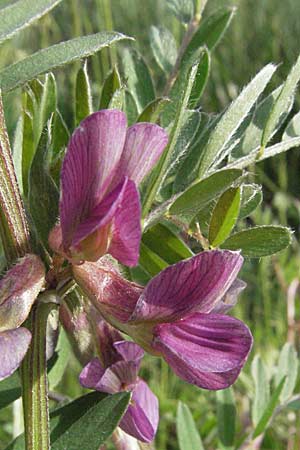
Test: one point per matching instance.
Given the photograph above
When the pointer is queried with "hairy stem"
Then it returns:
(34, 381)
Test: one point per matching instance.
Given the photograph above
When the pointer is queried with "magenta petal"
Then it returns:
(13, 347)
(110, 293)
(102, 214)
(207, 350)
(19, 289)
(195, 284)
(144, 144)
(230, 298)
(129, 351)
(126, 228)
(142, 415)
(91, 374)
(92, 157)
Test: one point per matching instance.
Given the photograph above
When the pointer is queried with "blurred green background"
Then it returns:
(261, 31)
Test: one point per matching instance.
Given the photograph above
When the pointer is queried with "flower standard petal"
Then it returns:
(208, 350)
(13, 347)
(142, 416)
(19, 288)
(144, 144)
(195, 284)
(89, 166)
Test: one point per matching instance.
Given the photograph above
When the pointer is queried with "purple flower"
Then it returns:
(19, 288)
(117, 372)
(100, 206)
(179, 314)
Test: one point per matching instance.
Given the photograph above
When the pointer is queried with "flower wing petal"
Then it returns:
(142, 415)
(144, 144)
(195, 284)
(208, 350)
(13, 347)
(126, 228)
(89, 166)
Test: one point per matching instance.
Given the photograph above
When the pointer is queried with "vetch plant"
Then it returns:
(132, 226)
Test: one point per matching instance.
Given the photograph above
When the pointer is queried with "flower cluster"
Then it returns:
(180, 315)
(118, 371)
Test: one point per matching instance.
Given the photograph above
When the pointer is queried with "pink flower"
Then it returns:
(179, 315)
(118, 371)
(19, 288)
(100, 205)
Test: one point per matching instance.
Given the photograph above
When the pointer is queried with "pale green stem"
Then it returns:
(34, 381)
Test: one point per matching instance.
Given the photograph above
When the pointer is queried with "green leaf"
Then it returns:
(48, 99)
(226, 412)
(188, 132)
(252, 135)
(293, 128)
(200, 80)
(130, 107)
(74, 425)
(152, 111)
(288, 368)
(161, 169)
(138, 78)
(55, 56)
(17, 150)
(294, 403)
(78, 421)
(28, 144)
(60, 139)
(182, 9)
(117, 100)
(259, 241)
(187, 434)
(262, 389)
(150, 262)
(21, 14)
(251, 199)
(83, 98)
(282, 101)
(269, 152)
(164, 48)
(10, 390)
(215, 150)
(166, 244)
(224, 216)
(198, 58)
(200, 194)
(268, 412)
(188, 169)
(112, 83)
(43, 193)
(210, 31)
(63, 350)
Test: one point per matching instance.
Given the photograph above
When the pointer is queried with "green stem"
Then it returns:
(34, 380)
